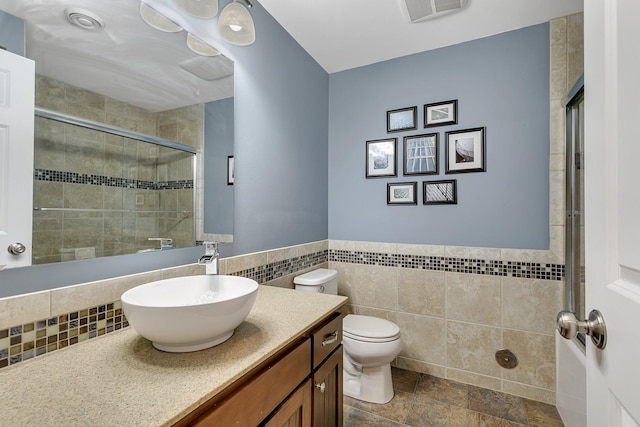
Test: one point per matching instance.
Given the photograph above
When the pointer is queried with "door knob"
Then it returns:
(16, 248)
(321, 386)
(569, 327)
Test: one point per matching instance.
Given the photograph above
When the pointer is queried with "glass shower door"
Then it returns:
(574, 239)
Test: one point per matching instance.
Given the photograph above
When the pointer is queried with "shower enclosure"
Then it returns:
(574, 239)
(100, 190)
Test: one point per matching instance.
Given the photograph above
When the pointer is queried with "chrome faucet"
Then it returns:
(210, 257)
(165, 242)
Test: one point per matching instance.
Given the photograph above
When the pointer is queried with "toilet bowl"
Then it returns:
(369, 343)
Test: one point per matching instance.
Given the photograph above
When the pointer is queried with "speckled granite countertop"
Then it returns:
(121, 379)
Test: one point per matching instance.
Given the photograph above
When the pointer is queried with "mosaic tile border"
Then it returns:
(24, 342)
(275, 270)
(109, 181)
(528, 270)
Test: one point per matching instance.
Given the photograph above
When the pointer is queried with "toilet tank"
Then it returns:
(322, 280)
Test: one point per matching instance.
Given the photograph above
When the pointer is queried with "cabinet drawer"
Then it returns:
(263, 393)
(326, 339)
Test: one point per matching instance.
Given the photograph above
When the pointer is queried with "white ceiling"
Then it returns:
(130, 61)
(126, 60)
(344, 34)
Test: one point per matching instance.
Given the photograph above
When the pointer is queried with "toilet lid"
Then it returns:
(369, 327)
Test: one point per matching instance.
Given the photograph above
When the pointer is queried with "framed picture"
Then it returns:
(439, 192)
(230, 175)
(402, 193)
(420, 154)
(441, 113)
(465, 150)
(402, 119)
(381, 158)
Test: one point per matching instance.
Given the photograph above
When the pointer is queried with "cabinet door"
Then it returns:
(327, 392)
(295, 411)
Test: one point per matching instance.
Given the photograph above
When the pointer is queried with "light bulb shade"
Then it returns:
(201, 48)
(199, 8)
(157, 20)
(235, 25)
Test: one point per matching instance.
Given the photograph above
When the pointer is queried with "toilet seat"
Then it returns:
(369, 329)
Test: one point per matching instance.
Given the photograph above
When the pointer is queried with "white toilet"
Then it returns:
(370, 344)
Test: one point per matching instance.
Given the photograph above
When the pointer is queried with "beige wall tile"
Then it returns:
(557, 127)
(389, 315)
(25, 308)
(533, 393)
(472, 253)
(376, 247)
(558, 83)
(369, 285)
(423, 250)
(244, 262)
(342, 245)
(423, 338)
(531, 305)
(556, 197)
(421, 292)
(472, 378)
(194, 269)
(557, 163)
(50, 93)
(472, 348)
(420, 366)
(282, 254)
(474, 298)
(525, 255)
(575, 48)
(536, 357)
(313, 247)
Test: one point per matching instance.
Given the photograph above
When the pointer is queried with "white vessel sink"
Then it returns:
(189, 313)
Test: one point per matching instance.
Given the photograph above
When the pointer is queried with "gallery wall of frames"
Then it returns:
(464, 152)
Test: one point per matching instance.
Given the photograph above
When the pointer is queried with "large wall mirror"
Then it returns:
(121, 111)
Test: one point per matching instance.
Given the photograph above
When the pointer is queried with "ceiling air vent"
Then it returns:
(422, 10)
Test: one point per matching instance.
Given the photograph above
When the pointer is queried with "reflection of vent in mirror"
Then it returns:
(208, 68)
(100, 190)
(422, 10)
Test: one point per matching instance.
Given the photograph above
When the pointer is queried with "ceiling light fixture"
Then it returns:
(157, 20)
(199, 8)
(236, 25)
(201, 48)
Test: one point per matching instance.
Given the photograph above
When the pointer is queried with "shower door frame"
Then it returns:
(574, 239)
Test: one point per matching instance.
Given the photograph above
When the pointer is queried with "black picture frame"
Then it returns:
(381, 158)
(441, 113)
(420, 154)
(465, 150)
(230, 170)
(402, 193)
(402, 119)
(441, 192)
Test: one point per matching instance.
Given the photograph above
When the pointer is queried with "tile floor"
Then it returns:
(423, 400)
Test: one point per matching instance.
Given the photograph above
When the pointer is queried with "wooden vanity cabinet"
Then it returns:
(301, 386)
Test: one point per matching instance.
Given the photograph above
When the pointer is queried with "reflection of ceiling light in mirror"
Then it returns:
(199, 8)
(209, 69)
(83, 18)
(200, 47)
(157, 20)
(236, 25)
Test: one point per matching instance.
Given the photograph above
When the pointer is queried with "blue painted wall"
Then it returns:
(502, 83)
(281, 108)
(11, 33)
(218, 145)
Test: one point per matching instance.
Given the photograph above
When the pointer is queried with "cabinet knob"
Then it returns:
(321, 386)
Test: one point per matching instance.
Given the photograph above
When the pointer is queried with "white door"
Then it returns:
(17, 80)
(612, 206)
